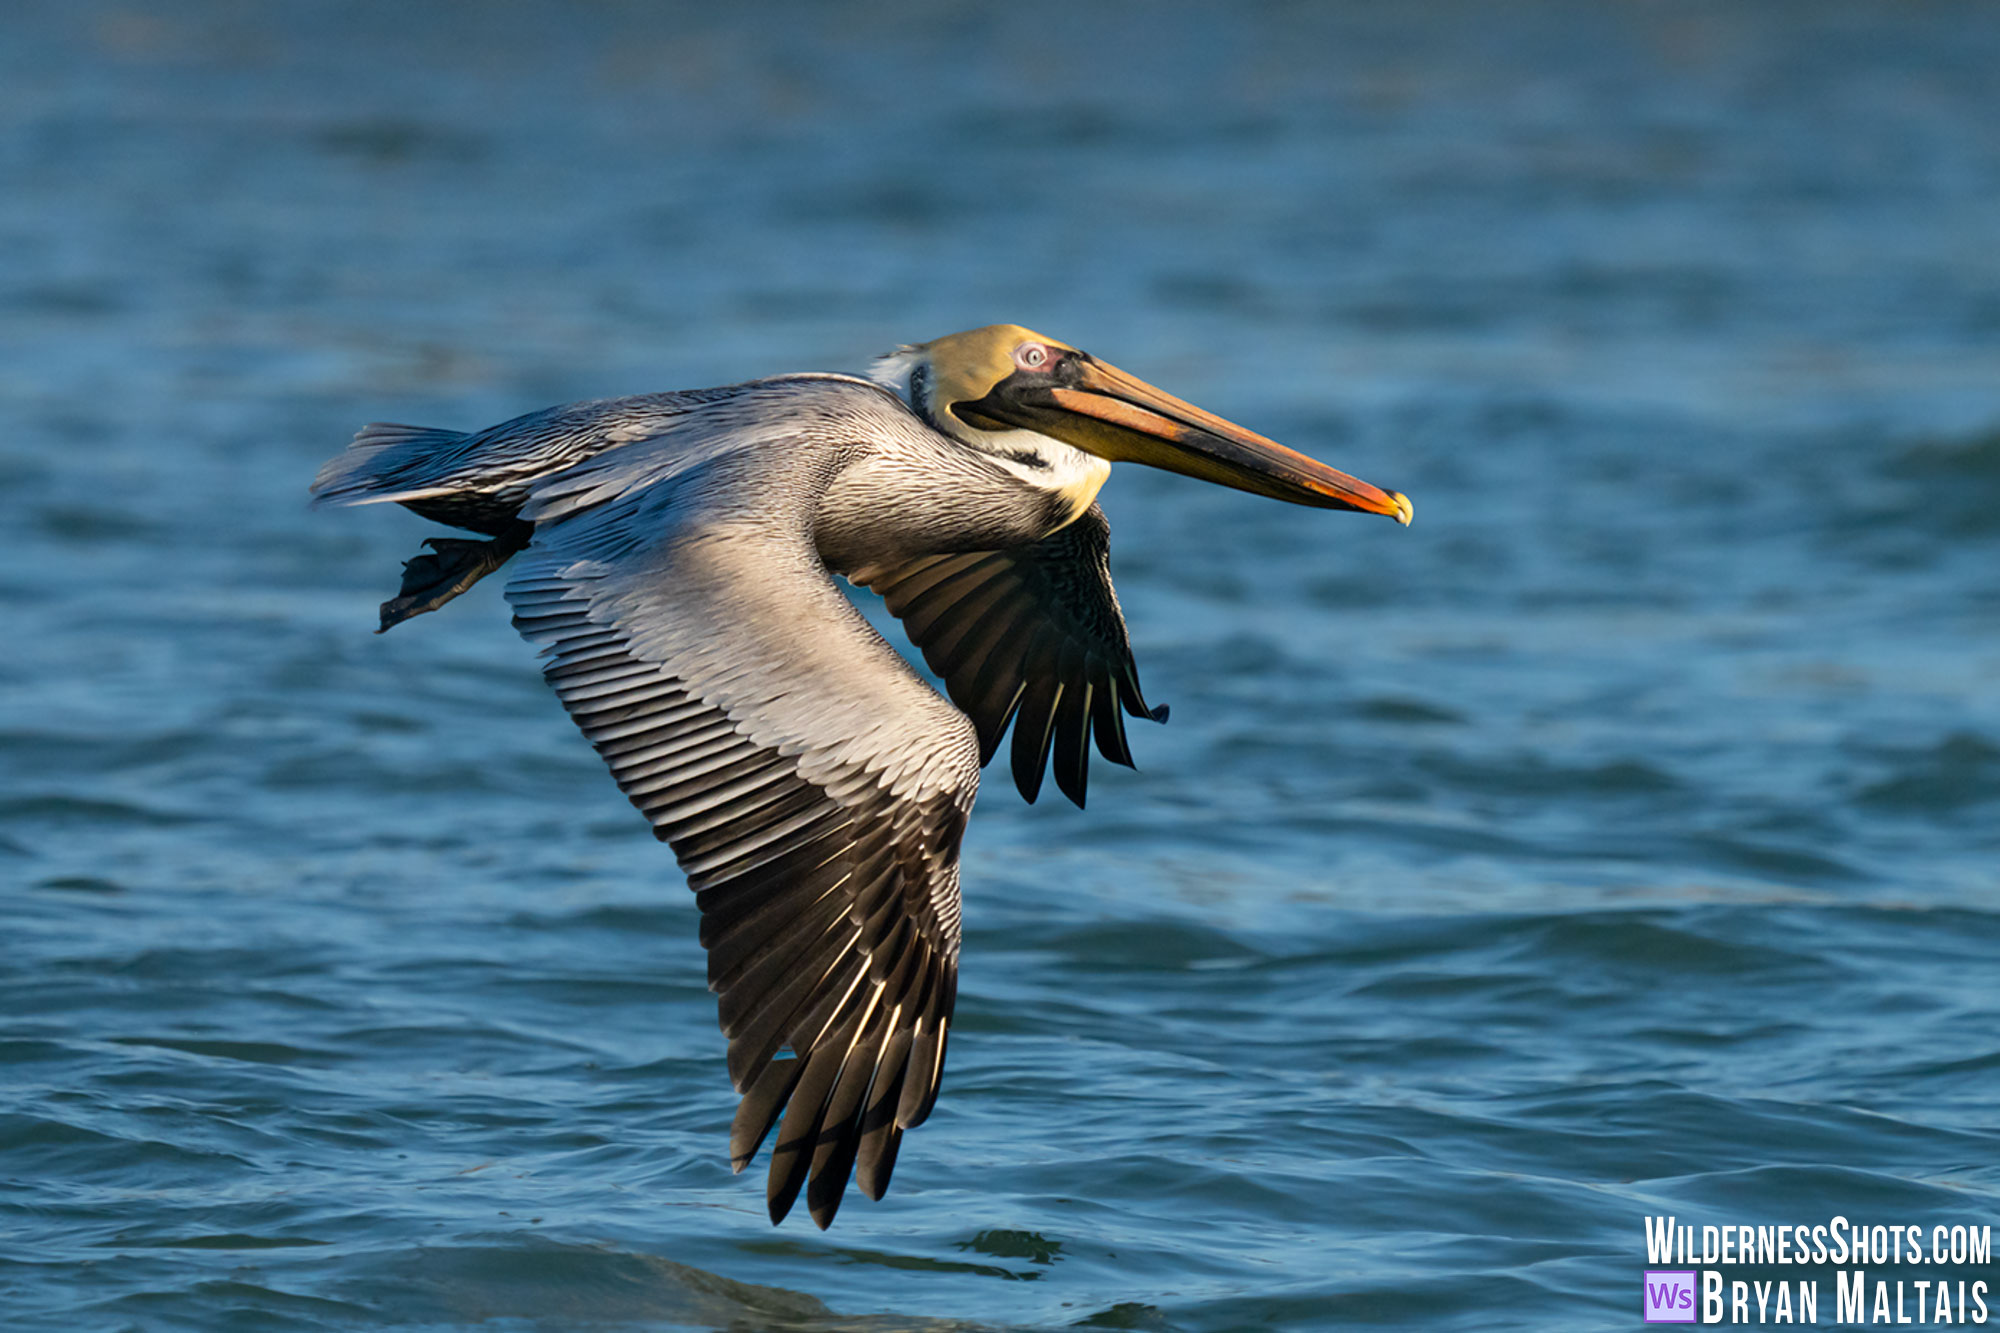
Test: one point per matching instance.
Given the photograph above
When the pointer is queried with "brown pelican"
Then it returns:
(676, 553)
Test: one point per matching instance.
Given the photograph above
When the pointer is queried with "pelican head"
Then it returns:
(982, 385)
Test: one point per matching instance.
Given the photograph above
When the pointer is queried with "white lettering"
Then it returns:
(1659, 1240)
(1711, 1296)
(1847, 1296)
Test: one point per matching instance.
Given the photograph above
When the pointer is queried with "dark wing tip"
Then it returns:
(829, 1184)
(878, 1158)
(1071, 784)
(1071, 755)
(1034, 734)
(1134, 700)
(762, 1101)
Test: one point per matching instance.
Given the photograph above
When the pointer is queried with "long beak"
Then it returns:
(1120, 417)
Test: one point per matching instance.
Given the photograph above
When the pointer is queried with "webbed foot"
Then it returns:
(452, 565)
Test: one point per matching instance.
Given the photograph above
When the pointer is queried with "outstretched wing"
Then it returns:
(1031, 636)
(812, 785)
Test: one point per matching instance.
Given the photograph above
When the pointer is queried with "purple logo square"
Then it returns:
(1670, 1298)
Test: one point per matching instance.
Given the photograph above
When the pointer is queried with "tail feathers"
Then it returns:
(387, 461)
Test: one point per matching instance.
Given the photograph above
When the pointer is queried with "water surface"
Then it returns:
(1619, 839)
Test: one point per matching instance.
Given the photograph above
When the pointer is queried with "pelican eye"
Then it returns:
(1033, 356)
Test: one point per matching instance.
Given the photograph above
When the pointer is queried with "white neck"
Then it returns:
(1047, 465)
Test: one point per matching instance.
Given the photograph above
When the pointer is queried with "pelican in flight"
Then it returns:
(674, 556)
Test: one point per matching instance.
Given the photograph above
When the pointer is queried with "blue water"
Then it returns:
(1618, 840)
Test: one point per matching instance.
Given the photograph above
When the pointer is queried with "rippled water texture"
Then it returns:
(1618, 839)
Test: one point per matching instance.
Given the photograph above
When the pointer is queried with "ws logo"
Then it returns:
(1670, 1298)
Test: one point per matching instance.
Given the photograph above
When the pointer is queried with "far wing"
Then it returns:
(1031, 636)
(813, 787)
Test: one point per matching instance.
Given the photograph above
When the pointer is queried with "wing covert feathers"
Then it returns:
(1031, 637)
